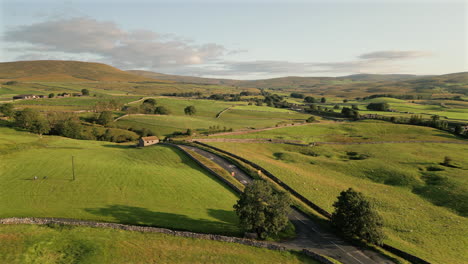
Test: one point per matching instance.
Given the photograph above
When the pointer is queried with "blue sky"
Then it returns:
(242, 39)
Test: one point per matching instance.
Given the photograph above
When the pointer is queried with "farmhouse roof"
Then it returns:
(149, 138)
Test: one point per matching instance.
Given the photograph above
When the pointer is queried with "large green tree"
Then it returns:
(105, 118)
(7, 110)
(355, 216)
(263, 210)
(190, 110)
(32, 120)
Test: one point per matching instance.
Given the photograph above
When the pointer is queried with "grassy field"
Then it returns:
(424, 204)
(28, 244)
(238, 116)
(360, 131)
(152, 186)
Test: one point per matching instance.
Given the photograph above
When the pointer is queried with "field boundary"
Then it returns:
(323, 212)
(301, 143)
(149, 229)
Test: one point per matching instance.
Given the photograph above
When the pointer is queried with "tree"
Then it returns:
(40, 126)
(162, 110)
(105, 118)
(150, 101)
(447, 161)
(189, 132)
(459, 129)
(336, 107)
(310, 119)
(70, 127)
(355, 216)
(345, 100)
(85, 92)
(354, 107)
(51, 95)
(378, 106)
(297, 95)
(190, 110)
(7, 110)
(309, 99)
(323, 100)
(263, 210)
(32, 120)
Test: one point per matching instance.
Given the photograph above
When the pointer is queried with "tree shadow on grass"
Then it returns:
(224, 215)
(132, 215)
(119, 146)
(189, 162)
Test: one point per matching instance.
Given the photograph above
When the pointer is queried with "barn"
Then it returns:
(147, 141)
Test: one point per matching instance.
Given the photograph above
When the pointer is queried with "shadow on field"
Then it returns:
(125, 214)
(223, 215)
(119, 146)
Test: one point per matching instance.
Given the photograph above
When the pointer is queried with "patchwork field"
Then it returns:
(27, 244)
(424, 204)
(237, 116)
(360, 131)
(152, 186)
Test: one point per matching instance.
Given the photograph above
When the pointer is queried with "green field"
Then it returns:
(361, 131)
(156, 185)
(424, 209)
(240, 116)
(27, 244)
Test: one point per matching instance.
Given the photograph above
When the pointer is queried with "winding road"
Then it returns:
(310, 235)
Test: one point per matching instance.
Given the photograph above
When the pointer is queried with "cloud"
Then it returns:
(110, 43)
(383, 62)
(394, 54)
(87, 39)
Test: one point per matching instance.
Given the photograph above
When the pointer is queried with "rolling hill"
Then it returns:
(351, 85)
(64, 71)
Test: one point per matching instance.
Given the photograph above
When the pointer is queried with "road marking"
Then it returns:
(329, 240)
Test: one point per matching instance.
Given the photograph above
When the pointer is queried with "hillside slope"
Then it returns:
(64, 71)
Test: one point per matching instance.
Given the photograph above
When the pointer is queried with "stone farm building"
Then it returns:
(147, 141)
(27, 96)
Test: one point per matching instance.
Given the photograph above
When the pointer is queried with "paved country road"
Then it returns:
(310, 235)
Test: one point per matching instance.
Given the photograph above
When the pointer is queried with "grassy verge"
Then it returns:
(65, 244)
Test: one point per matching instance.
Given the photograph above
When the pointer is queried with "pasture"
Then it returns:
(360, 131)
(237, 116)
(28, 244)
(424, 204)
(156, 185)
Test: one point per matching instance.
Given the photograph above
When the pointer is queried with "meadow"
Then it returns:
(157, 186)
(424, 204)
(238, 115)
(27, 244)
(359, 131)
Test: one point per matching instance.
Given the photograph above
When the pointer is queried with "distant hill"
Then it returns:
(64, 71)
(183, 79)
(351, 85)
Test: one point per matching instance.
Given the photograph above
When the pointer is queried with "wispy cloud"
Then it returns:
(110, 43)
(88, 39)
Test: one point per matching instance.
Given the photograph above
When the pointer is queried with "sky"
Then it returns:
(242, 39)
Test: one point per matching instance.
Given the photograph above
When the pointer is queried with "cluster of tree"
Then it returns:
(325, 111)
(10, 83)
(67, 125)
(403, 96)
(297, 95)
(217, 129)
(378, 106)
(107, 105)
(312, 100)
(434, 121)
(185, 94)
(147, 107)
